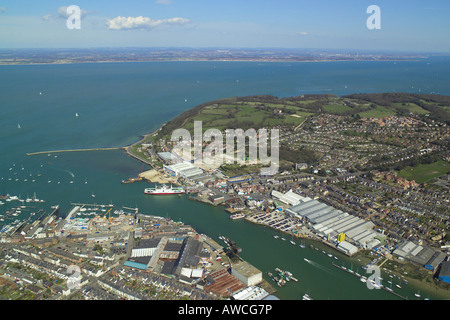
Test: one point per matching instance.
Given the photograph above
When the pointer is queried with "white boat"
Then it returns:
(306, 297)
(292, 242)
(237, 216)
(164, 190)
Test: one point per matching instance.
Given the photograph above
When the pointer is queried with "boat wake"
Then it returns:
(70, 172)
(64, 170)
(317, 265)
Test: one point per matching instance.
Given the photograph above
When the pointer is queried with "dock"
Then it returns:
(71, 150)
(359, 276)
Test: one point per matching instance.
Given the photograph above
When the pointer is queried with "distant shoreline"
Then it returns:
(206, 60)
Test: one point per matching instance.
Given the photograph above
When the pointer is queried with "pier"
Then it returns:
(72, 150)
(92, 205)
(359, 276)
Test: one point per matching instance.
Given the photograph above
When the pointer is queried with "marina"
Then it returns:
(281, 277)
(372, 282)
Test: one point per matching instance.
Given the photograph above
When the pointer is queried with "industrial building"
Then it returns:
(183, 169)
(290, 197)
(424, 256)
(251, 293)
(246, 273)
(329, 222)
(166, 156)
(188, 171)
(171, 256)
(347, 248)
(444, 273)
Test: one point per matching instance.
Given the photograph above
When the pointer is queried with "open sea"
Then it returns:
(118, 102)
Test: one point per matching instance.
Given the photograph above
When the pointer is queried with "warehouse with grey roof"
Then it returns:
(329, 222)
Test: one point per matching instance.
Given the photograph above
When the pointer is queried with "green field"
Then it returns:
(378, 112)
(337, 108)
(425, 172)
(229, 116)
(412, 107)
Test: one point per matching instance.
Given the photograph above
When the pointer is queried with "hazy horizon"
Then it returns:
(406, 26)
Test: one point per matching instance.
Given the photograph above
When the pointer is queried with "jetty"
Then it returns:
(72, 150)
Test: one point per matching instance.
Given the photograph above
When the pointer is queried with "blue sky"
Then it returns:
(325, 24)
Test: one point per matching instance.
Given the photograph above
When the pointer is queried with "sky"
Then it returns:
(405, 25)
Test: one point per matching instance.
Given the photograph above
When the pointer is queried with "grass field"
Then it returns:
(425, 172)
(414, 108)
(228, 116)
(378, 112)
(336, 108)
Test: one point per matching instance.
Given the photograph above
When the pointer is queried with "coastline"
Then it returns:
(143, 137)
(423, 286)
(206, 60)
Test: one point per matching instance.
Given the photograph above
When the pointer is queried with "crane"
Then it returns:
(108, 213)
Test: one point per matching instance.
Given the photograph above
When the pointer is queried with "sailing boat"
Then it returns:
(18, 126)
(76, 115)
(292, 240)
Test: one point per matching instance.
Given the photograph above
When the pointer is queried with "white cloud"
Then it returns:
(3, 9)
(123, 23)
(46, 17)
(303, 33)
(62, 12)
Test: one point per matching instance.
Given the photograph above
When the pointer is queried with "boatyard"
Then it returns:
(155, 176)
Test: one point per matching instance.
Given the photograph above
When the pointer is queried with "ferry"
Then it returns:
(237, 216)
(164, 190)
